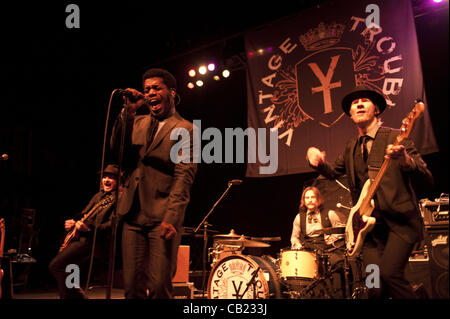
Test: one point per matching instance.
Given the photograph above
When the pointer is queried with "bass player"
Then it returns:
(398, 224)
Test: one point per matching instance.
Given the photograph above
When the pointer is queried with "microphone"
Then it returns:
(131, 96)
(235, 182)
(339, 205)
(4, 157)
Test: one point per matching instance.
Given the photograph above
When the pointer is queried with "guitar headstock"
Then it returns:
(2, 224)
(408, 122)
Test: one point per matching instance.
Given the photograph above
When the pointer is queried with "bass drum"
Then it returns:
(231, 278)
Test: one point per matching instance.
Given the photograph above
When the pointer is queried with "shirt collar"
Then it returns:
(373, 132)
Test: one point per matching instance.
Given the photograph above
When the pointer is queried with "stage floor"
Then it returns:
(95, 293)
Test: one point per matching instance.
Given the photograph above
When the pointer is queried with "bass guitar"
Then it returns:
(360, 222)
(74, 233)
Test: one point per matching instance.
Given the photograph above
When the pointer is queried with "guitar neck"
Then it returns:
(92, 211)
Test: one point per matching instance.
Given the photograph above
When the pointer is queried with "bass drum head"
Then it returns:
(230, 276)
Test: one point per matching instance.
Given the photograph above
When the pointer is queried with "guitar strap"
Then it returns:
(378, 151)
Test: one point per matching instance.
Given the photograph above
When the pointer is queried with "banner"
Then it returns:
(301, 67)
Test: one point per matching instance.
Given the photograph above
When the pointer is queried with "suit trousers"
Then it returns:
(149, 262)
(390, 253)
(77, 252)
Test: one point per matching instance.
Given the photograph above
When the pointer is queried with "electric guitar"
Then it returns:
(74, 233)
(360, 222)
(2, 242)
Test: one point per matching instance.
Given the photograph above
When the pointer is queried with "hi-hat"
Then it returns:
(266, 238)
(244, 242)
(231, 234)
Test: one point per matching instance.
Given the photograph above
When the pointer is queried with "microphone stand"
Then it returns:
(251, 282)
(114, 219)
(205, 236)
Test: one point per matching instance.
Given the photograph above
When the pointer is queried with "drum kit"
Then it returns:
(295, 274)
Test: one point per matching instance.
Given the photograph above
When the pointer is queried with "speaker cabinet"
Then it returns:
(437, 244)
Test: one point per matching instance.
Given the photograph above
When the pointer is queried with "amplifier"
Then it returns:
(435, 212)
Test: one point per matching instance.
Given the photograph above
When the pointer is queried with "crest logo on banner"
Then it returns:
(300, 70)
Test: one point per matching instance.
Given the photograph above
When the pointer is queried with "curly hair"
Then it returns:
(167, 77)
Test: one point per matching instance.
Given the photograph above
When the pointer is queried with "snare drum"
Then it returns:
(299, 264)
(231, 275)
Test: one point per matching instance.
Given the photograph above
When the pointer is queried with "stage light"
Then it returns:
(190, 85)
(225, 73)
(202, 69)
(199, 83)
(216, 77)
(192, 73)
(437, 1)
(211, 66)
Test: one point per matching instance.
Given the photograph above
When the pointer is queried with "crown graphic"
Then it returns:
(237, 266)
(322, 37)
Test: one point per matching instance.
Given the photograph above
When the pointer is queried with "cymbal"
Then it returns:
(189, 231)
(330, 230)
(244, 243)
(231, 234)
(266, 238)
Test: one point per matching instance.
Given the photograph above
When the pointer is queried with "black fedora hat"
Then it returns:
(111, 169)
(362, 91)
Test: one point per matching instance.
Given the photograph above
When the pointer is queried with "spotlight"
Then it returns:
(202, 69)
(199, 83)
(192, 73)
(211, 66)
(216, 77)
(437, 1)
(225, 73)
(190, 85)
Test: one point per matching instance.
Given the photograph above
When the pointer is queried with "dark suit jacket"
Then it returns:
(162, 186)
(395, 196)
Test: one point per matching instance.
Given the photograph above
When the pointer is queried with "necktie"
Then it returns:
(152, 128)
(365, 153)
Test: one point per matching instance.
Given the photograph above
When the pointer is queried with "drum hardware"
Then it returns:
(266, 238)
(205, 225)
(251, 282)
(231, 234)
(244, 242)
(221, 250)
(329, 231)
(189, 231)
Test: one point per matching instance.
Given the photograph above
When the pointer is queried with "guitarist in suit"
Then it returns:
(157, 188)
(399, 224)
(79, 248)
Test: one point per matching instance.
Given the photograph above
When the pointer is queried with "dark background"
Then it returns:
(56, 84)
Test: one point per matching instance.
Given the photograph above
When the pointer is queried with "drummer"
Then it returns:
(310, 219)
